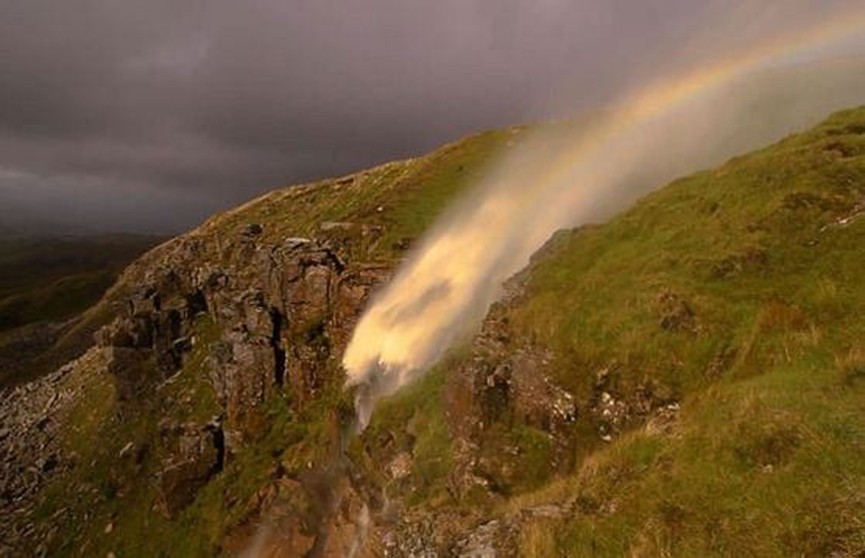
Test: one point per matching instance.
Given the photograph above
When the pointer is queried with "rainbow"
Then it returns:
(654, 99)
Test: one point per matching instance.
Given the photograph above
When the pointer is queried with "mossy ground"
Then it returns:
(411, 423)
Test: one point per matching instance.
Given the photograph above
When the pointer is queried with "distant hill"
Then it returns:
(47, 280)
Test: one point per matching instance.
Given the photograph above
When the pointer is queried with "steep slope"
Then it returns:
(685, 380)
(712, 341)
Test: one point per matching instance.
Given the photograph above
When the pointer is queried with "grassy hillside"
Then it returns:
(739, 292)
(734, 294)
(399, 199)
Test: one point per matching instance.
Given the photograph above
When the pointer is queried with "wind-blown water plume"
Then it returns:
(569, 175)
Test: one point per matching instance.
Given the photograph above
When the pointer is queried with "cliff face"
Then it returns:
(255, 320)
(283, 311)
(706, 342)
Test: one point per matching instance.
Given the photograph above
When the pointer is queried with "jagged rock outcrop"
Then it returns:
(281, 309)
(506, 380)
(197, 453)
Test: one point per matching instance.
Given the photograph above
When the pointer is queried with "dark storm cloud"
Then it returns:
(150, 115)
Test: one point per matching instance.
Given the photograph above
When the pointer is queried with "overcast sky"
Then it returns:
(151, 115)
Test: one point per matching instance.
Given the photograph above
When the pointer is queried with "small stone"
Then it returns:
(125, 450)
(49, 464)
(293, 241)
(252, 229)
(109, 527)
(400, 467)
(182, 344)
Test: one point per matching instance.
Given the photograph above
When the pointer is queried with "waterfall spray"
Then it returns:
(569, 177)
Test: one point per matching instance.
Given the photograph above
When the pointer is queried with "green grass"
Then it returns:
(768, 466)
(60, 299)
(411, 422)
(732, 244)
(394, 203)
(767, 458)
(120, 490)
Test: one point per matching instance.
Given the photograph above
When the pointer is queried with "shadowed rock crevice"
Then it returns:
(218, 444)
(196, 303)
(277, 320)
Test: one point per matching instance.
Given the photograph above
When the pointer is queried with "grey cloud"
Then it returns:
(154, 114)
